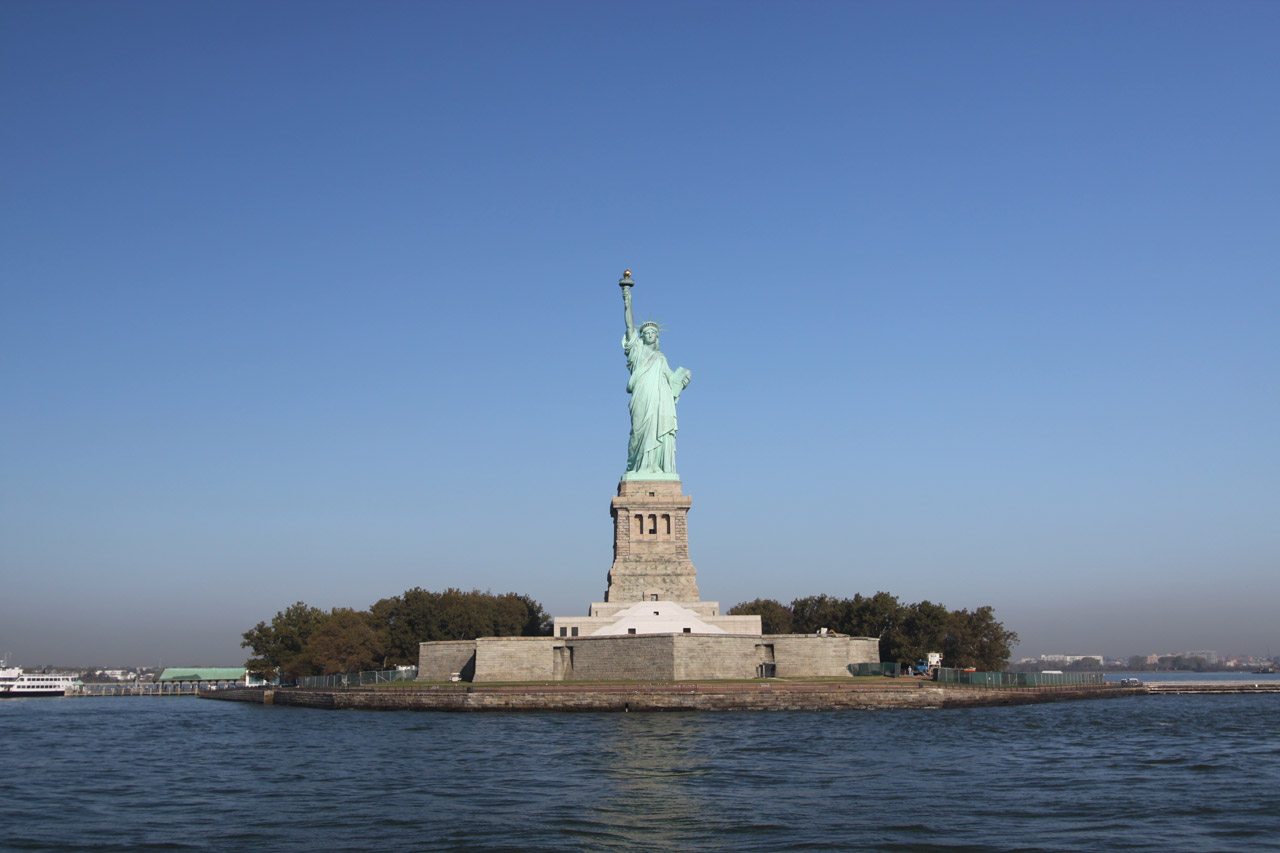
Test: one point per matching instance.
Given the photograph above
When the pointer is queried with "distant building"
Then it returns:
(1209, 657)
(1068, 658)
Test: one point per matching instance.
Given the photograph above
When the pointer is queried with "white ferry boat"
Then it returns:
(15, 683)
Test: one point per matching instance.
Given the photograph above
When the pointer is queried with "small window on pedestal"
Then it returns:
(631, 630)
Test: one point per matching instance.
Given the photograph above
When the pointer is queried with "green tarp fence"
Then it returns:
(1016, 679)
(883, 668)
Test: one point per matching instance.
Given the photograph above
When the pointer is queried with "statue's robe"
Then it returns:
(654, 388)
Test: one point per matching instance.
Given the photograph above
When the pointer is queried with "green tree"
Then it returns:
(418, 615)
(346, 642)
(775, 617)
(907, 632)
(455, 615)
(860, 616)
(276, 647)
(537, 621)
(976, 639)
(817, 611)
(877, 616)
(409, 620)
(921, 628)
(385, 618)
(504, 615)
(462, 615)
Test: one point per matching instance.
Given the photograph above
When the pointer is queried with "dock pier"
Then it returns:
(1211, 687)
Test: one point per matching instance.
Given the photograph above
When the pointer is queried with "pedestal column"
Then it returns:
(651, 544)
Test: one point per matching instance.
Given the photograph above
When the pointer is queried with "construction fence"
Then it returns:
(359, 679)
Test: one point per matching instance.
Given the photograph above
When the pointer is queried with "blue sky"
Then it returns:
(318, 301)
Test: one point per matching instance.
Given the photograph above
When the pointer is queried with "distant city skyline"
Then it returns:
(319, 303)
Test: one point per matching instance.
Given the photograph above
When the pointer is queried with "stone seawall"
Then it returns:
(771, 696)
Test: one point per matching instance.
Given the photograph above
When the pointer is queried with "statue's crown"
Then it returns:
(656, 324)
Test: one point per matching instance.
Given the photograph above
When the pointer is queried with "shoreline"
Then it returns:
(691, 696)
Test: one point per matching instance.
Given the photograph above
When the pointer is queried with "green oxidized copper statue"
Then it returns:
(654, 388)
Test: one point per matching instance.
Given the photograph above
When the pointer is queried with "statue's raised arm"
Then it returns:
(626, 284)
(654, 388)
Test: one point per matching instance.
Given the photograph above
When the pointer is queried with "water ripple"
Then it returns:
(139, 773)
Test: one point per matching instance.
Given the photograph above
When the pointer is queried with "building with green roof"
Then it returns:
(211, 675)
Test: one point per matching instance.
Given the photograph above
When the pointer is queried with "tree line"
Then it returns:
(907, 632)
(303, 640)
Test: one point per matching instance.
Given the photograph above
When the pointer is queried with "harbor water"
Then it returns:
(145, 773)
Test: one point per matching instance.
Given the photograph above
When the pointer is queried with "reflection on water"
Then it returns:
(1148, 773)
(646, 797)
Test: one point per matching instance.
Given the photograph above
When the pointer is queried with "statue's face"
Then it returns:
(649, 335)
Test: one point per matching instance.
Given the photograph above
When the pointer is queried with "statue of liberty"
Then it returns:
(654, 388)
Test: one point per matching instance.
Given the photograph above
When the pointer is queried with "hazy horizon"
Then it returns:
(318, 303)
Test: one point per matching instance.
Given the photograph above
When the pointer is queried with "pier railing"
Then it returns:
(153, 688)
(359, 679)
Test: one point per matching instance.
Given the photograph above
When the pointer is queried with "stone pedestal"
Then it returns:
(651, 544)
